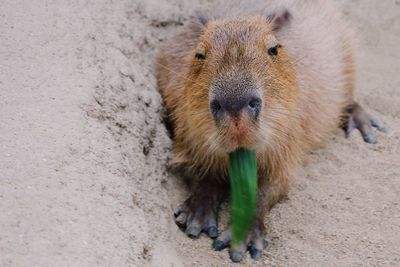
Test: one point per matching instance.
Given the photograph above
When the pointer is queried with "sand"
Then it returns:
(84, 149)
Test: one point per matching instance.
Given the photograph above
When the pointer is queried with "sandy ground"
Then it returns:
(84, 151)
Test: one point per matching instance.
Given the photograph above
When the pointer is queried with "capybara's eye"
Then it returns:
(200, 55)
(273, 51)
(201, 52)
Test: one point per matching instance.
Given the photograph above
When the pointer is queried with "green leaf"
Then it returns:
(243, 176)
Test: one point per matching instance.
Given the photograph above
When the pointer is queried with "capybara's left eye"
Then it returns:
(273, 51)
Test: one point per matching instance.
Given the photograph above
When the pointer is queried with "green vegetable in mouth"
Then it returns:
(243, 177)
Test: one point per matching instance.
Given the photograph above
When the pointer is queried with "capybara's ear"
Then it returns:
(199, 18)
(202, 19)
(279, 19)
(198, 22)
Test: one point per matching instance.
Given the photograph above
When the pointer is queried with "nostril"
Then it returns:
(215, 107)
(255, 103)
(254, 107)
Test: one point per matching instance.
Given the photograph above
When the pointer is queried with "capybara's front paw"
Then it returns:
(254, 243)
(196, 216)
(359, 119)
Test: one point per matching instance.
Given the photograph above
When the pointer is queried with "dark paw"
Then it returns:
(255, 252)
(255, 244)
(361, 120)
(195, 219)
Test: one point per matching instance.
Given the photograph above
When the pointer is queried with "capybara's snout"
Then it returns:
(233, 106)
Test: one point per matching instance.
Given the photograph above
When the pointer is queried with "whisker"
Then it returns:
(175, 72)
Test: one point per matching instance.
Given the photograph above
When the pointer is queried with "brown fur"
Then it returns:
(304, 89)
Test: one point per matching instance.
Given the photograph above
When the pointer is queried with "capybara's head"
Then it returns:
(242, 84)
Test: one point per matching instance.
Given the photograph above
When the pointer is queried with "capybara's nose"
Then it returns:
(234, 106)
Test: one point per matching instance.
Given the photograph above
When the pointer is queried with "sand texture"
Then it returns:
(83, 176)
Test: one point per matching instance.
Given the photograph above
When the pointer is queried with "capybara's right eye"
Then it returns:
(201, 55)
(201, 52)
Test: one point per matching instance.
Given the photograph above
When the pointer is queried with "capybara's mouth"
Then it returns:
(239, 134)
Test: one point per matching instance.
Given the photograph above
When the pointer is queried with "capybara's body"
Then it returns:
(273, 76)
